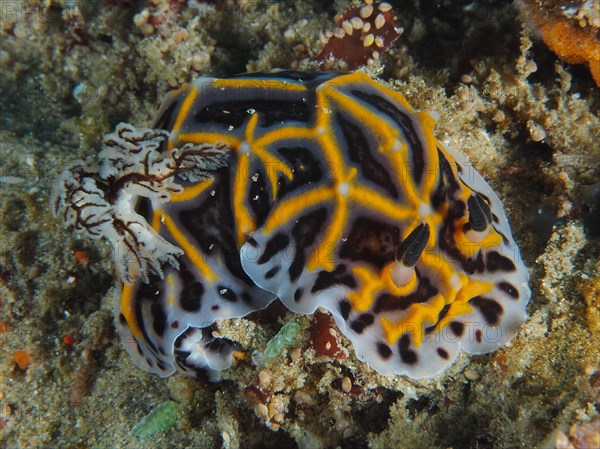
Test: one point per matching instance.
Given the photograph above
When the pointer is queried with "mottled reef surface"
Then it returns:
(527, 120)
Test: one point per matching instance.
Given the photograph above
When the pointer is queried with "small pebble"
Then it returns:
(264, 380)
(356, 23)
(537, 133)
(467, 79)
(471, 375)
(385, 7)
(366, 11)
(499, 116)
(346, 384)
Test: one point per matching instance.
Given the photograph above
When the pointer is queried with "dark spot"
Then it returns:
(161, 366)
(276, 244)
(143, 206)
(122, 319)
(478, 335)
(327, 279)
(298, 294)
(272, 272)
(175, 324)
(247, 298)
(490, 309)
(507, 287)
(384, 350)
(443, 353)
(457, 328)
(371, 241)
(252, 242)
(363, 321)
(159, 318)
(497, 262)
(214, 307)
(149, 362)
(406, 354)
(191, 296)
(226, 293)
(345, 307)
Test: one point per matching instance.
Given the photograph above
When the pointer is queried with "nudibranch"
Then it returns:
(319, 189)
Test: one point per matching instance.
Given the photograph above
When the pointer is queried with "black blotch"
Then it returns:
(371, 241)
(149, 362)
(190, 298)
(226, 293)
(214, 307)
(161, 366)
(363, 321)
(327, 279)
(384, 350)
(138, 347)
(405, 123)
(305, 232)
(457, 328)
(508, 288)
(258, 198)
(388, 302)
(270, 111)
(252, 242)
(247, 298)
(345, 307)
(143, 206)
(305, 166)
(406, 354)
(360, 152)
(175, 324)
(443, 353)
(272, 272)
(122, 319)
(490, 309)
(478, 335)
(159, 318)
(277, 243)
(298, 294)
(497, 262)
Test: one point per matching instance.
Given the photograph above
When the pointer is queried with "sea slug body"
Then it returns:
(319, 189)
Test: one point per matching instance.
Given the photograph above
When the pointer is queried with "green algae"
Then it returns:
(162, 418)
(284, 339)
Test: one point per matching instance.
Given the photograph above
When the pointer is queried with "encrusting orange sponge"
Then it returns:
(572, 45)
